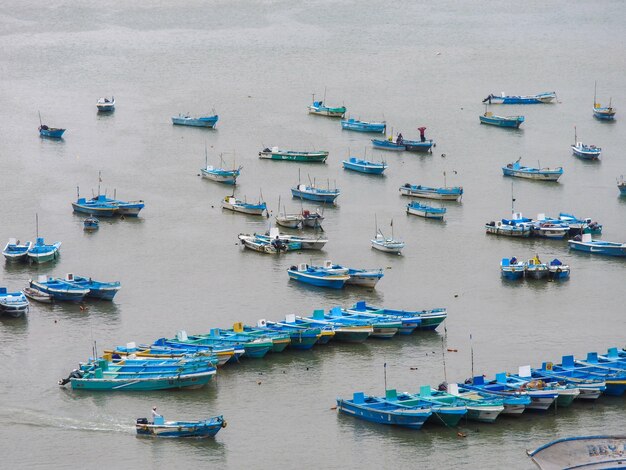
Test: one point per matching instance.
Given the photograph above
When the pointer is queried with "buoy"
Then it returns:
(413, 368)
(333, 407)
(259, 382)
(452, 350)
(461, 434)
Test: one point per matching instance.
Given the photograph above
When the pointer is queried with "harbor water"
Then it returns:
(257, 63)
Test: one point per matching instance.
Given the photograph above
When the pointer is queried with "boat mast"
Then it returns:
(472, 356)
(385, 373)
(40, 123)
(99, 181)
(575, 137)
(37, 224)
(595, 87)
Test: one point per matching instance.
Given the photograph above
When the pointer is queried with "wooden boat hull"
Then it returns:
(362, 126)
(96, 210)
(292, 221)
(335, 112)
(586, 153)
(14, 304)
(243, 209)
(504, 230)
(426, 212)
(40, 258)
(388, 246)
(410, 418)
(440, 194)
(37, 295)
(539, 98)
(364, 278)
(509, 122)
(224, 177)
(206, 122)
(512, 273)
(63, 293)
(181, 429)
(604, 114)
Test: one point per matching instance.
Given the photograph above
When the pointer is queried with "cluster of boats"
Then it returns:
(189, 361)
(38, 252)
(513, 269)
(273, 241)
(484, 400)
(545, 227)
(104, 206)
(334, 276)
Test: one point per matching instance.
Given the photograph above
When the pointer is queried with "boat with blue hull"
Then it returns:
(388, 144)
(221, 175)
(363, 126)
(523, 380)
(364, 166)
(50, 132)
(98, 206)
(539, 399)
(166, 352)
(590, 389)
(577, 226)
(585, 151)
(512, 269)
(597, 247)
(528, 172)
(301, 337)
(106, 105)
(379, 411)
(313, 193)
(320, 109)
(603, 113)
(446, 412)
(236, 205)
(91, 223)
(614, 377)
(501, 121)
(349, 331)
(317, 276)
(508, 228)
(14, 250)
(546, 97)
(511, 404)
(201, 121)
(224, 352)
(14, 304)
(179, 429)
(428, 319)
(41, 252)
(58, 289)
(426, 211)
(384, 326)
(535, 269)
(557, 270)
(581, 452)
(97, 289)
(280, 340)
(452, 193)
(253, 347)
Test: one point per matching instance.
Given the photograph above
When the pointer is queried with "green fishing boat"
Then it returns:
(275, 153)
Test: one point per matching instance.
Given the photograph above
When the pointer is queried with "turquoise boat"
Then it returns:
(380, 411)
(317, 276)
(446, 411)
(280, 340)
(345, 331)
(253, 347)
(41, 252)
(58, 289)
(429, 319)
(426, 211)
(201, 121)
(97, 289)
(364, 166)
(363, 126)
(383, 326)
(320, 109)
(300, 337)
(14, 304)
(179, 429)
(501, 121)
(14, 250)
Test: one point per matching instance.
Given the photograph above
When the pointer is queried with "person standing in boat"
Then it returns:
(154, 413)
(400, 139)
(422, 133)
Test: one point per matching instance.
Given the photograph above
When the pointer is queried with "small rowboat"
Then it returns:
(236, 205)
(364, 166)
(202, 121)
(541, 174)
(51, 132)
(425, 211)
(385, 144)
(320, 109)
(587, 152)
(91, 223)
(37, 295)
(501, 121)
(161, 428)
(363, 126)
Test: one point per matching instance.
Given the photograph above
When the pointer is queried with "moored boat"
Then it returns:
(444, 194)
(507, 228)
(97, 289)
(176, 429)
(535, 269)
(446, 411)
(106, 105)
(388, 144)
(429, 319)
(16, 251)
(320, 109)
(501, 121)
(313, 193)
(425, 211)
(305, 243)
(386, 244)
(274, 153)
(512, 269)
(558, 270)
(540, 174)
(546, 97)
(14, 304)
(221, 174)
(233, 204)
(317, 276)
(379, 411)
(312, 219)
(601, 451)
(578, 226)
(621, 185)
(201, 121)
(41, 252)
(37, 295)
(344, 331)
(363, 126)
(59, 289)
(98, 206)
(364, 277)
(91, 223)
(604, 113)
(585, 151)
(597, 247)
(364, 166)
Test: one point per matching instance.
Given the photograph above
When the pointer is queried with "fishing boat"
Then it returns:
(614, 381)
(443, 194)
(225, 352)
(98, 206)
(384, 326)
(590, 389)
(429, 319)
(604, 113)
(363, 126)
(201, 121)
(270, 246)
(217, 356)
(288, 220)
(317, 276)
(320, 109)
(300, 337)
(535, 269)
(512, 269)
(101, 375)
(528, 172)
(313, 193)
(219, 174)
(558, 270)
(253, 347)
(348, 331)
(577, 226)
(233, 204)
(174, 429)
(501, 121)
(584, 151)
(388, 144)
(581, 452)
(305, 243)
(59, 289)
(379, 411)
(364, 166)
(540, 399)
(512, 404)
(106, 105)
(50, 132)
(274, 153)
(386, 244)
(446, 412)
(597, 247)
(425, 211)
(546, 229)
(312, 219)
(14, 304)
(364, 277)
(621, 185)
(547, 97)
(41, 252)
(97, 289)
(37, 295)
(507, 228)
(16, 251)
(91, 223)
(482, 408)
(279, 339)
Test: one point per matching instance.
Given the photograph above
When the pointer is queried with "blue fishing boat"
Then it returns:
(320, 109)
(508, 228)
(301, 337)
(585, 151)
(535, 269)
(279, 339)
(106, 105)
(383, 326)
(41, 252)
(558, 270)
(146, 351)
(364, 166)
(447, 412)
(380, 411)
(428, 319)
(102, 375)
(345, 330)
(236, 205)
(59, 289)
(98, 206)
(604, 113)
(523, 380)
(539, 399)
(253, 347)
(51, 132)
(225, 352)
(16, 251)
(418, 145)
(510, 404)
(317, 276)
(590, 389)
(175, 429)
(597, 247)
(91, 223)
(483, 409)
(97, 289)
(444, 194)
(313, 193)
(388, 144)
(577, 226)
(501, 121)
(581, 452)
(615, 378)
(14, 304)
(201, 121)
(220, 175)
(512, 269)
(528, 172)
(547, 97)
(363, 126)
(425, 211)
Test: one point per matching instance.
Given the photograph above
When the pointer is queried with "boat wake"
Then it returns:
(37, 419)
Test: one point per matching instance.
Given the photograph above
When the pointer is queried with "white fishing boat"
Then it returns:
(386, 244)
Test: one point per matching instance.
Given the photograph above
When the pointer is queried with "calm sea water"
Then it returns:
(257, 63)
